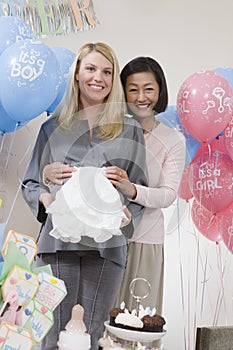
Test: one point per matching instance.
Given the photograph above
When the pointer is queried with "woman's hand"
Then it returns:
(57, 171)
(119, 178)
(128, 215)
(46, 199)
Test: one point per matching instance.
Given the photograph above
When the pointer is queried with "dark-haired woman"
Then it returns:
(146, 93)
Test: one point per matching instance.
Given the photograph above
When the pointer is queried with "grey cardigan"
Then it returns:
(74, 147)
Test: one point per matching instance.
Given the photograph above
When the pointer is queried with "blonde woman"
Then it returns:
(89, 127)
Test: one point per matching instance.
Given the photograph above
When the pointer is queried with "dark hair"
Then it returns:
(148, 64)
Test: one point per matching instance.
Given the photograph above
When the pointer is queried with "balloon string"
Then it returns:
(10, 150)
(189, 313)
(209, 155)
(20, 181)
(12, 207)
(23, 158)
(196, 287)
(204, 283)
(3, 140)
(221, 295)
(181, 271)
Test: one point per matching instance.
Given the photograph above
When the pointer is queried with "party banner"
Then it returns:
(52, 17)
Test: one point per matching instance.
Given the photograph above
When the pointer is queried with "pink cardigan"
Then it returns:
(165, 152)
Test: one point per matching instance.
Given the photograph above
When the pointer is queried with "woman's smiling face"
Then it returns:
(142, 93)
(95, 79)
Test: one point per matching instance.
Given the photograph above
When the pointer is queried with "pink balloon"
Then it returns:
(204, 105)
(228, 138)
(211, 181)
(219, 145)
(207, 224)
(184, 190)
(226, 223)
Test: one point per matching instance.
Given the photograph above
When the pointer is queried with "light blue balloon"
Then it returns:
(227, 73)
(65, 58)
(8, 124)
(30, 79)
(171, 119)
(12, 30)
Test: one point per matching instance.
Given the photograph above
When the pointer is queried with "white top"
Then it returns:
(165, 152)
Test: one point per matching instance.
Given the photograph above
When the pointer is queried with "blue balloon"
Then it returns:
(7, 124)
(65, 58)
(12, 30)
(227, 73)
(170, 118)
(30, 79)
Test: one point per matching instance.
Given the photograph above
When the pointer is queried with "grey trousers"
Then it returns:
(92, 282)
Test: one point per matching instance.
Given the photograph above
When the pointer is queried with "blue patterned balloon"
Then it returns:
(8, 124)
(12, 30)
(65, 58)
(30, 79)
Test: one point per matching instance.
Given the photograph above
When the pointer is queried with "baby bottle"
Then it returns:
(75, 336)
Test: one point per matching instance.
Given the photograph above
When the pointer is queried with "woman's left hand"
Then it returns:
(119, 178)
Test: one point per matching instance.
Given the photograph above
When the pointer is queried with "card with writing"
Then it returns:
(38, 319)
(51, 290)
(21, 281)
(13, 337)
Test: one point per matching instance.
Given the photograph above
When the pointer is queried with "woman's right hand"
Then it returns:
(46, 199)
(57, 171)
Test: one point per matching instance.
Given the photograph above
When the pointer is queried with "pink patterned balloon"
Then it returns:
(228, 138)
(211, 181)
(184, 190)
(226, 221)
(207, 224)
(204, 105)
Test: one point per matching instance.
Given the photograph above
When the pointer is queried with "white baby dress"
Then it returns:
(86, 205)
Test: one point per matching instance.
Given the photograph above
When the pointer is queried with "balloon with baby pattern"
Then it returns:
(204, 105)
(30, 79)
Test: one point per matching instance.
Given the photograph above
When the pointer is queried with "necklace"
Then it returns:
(154, 125)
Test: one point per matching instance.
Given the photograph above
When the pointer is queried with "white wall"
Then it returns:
(184, 36)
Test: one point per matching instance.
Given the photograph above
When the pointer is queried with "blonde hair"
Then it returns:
(111, 119)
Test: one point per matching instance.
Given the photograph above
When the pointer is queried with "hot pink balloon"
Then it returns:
(204, 105)
(184, 190)
(211, 181)
(228, 138)
(207, 223)
(226, 222)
